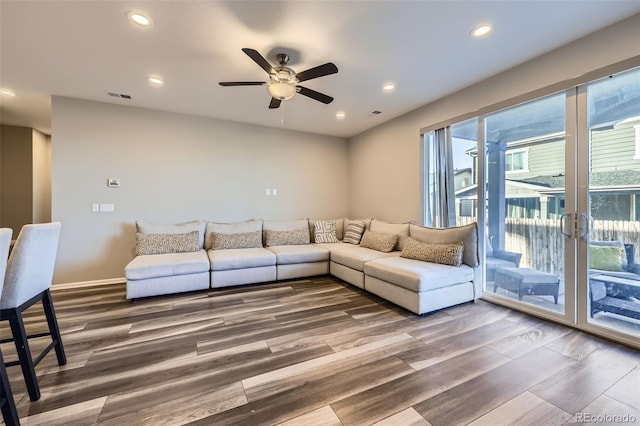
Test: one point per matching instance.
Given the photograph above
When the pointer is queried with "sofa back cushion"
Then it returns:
(246, 234)
(379, 241)
(443, 253)
(468, 234)
(166, 243)
(399, 229)
(285, 232)
(184, 228)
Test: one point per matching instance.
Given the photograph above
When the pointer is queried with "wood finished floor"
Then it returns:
(316, 352)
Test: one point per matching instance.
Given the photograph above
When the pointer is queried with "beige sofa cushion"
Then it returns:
(292, 254)
(224, 260)
(166, 265)
(416, 275)
(355, 257)
(468, 234)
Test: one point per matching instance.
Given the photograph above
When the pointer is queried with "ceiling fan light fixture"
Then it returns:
(282, 91)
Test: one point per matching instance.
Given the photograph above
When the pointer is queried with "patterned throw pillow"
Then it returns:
(286, 238)
(167, 243)
(220, 241)
(444, 253)
(379, 241)
(353, 233)
(325, 231)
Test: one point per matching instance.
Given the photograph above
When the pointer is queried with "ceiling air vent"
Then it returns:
(374, 113)
(119, 95)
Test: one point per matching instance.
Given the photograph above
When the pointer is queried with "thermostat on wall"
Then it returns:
(113, 183)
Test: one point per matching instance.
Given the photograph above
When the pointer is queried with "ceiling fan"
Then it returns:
(283, 81)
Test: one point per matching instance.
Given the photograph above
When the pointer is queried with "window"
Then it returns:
(517, 161)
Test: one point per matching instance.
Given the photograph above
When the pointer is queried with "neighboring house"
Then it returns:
(535, 179)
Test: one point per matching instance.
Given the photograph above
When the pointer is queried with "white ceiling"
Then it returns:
(83, 49)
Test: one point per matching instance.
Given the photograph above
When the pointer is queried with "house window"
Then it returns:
(516, 161)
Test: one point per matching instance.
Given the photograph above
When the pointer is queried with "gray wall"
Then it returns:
(41, 161)
(175, 168)
(16, 197)
(385, 162)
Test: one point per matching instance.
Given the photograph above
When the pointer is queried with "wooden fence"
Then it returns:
(542, 245)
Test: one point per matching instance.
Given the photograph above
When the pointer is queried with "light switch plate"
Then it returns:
(274, 192)
(107, 207)
(95, 207)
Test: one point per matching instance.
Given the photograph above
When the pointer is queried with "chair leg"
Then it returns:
(50, 313)
(24, 355)
(9, 412)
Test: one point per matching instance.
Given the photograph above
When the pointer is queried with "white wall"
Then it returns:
(175, 168)
(385, 162)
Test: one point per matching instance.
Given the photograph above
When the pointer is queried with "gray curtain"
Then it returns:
(441, 210)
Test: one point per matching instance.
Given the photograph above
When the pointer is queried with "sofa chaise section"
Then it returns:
(419, 286)
(348, 261)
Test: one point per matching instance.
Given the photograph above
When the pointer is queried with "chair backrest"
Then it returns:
(5, 242)
(30, 266)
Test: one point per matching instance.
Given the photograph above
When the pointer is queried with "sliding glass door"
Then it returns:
(610, 219)
(525, 200)
(554, 184)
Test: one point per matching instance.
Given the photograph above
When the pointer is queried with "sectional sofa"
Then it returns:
(421, 269)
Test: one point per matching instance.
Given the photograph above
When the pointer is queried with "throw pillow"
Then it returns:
(244, 227)
(286, 238)
(400, 229)
(325, 231)
(160, 228)
(444, 253)
(606, 258)
(166, 243)
(220, 241)
(379, 241)
(468, 234)
(353, 232)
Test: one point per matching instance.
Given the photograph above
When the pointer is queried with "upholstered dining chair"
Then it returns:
(27, 281)
(7, 404)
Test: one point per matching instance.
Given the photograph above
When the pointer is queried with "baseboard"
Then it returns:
(94, 283)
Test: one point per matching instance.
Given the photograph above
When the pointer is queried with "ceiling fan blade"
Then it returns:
(259, 59)
(242, 83)
(275, 103)
(315, 95)
(319, 71)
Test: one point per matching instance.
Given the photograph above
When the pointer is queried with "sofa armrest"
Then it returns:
(509, 256)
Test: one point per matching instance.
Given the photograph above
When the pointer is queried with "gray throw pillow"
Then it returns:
(443, 253)
(286, 238)
(379, 241)
(166, 243)
(220, 241)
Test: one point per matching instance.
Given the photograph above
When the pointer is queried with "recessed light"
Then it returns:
(340, 115)
(8, 92)
(481, 30)
(139, 19)
(154, 80)
(389, 87)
